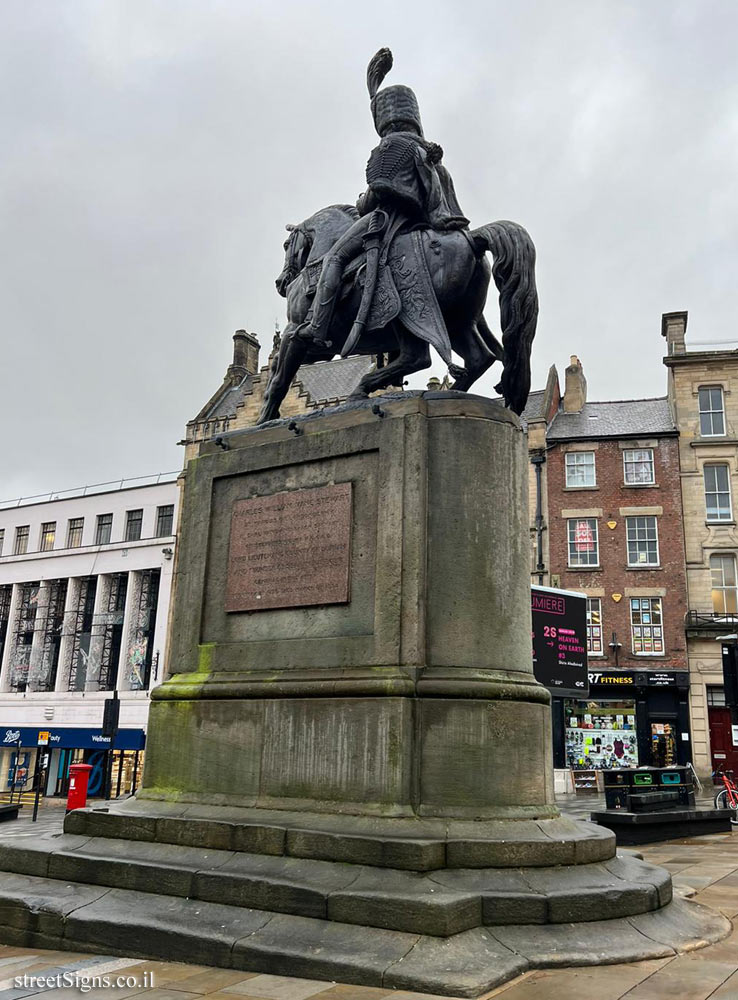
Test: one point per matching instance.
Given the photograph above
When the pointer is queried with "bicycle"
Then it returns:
(727, 797)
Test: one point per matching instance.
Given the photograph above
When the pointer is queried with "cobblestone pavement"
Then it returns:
(705, 865)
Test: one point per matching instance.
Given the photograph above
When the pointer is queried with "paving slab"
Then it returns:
(405, 901)
(593, 943)
(683, 925)
(281, 884)
(181, 929)
(465, 965)
(320, 949)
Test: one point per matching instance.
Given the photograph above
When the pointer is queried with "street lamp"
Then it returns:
(615, 647)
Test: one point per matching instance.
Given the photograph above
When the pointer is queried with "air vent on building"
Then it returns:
(49, 712)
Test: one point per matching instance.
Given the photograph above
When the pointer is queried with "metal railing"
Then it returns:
(83, 491)
(709, 619)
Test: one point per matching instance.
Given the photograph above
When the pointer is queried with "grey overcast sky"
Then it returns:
(153, 150)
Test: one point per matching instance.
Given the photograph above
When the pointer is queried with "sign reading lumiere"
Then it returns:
(290, 549)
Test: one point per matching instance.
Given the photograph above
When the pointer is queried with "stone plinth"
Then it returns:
(409, 693)
(348, 775)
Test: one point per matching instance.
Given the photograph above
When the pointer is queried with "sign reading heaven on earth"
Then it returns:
(290, 550)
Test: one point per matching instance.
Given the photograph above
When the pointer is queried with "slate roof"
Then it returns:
(226, 405)
(323, 381)
(333, 379)
(616, 418)
(534, 407)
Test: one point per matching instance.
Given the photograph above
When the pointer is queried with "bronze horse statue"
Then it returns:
(460, 274)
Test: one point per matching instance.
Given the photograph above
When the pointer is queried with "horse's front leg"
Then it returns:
(291, 355)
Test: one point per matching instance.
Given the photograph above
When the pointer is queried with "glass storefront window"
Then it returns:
(600, 734)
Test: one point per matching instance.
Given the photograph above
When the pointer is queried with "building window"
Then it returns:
(6, 593)
(717, 493)
(580, 468)
(638, 466)
(141, 651)
(21, 540)
(75, 526)
(25, 626)
(164, 520)
(643, 541)
(715, 696)
(113, 634)
(712, 414)
(134, 520)
(594, 626)
(104, 529)
(48, 534)
(81, 631)
(646, 626)
(724, 585)
(583, 541)
(52, 629)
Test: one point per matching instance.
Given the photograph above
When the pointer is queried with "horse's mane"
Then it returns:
(351, 210)
(321, 214)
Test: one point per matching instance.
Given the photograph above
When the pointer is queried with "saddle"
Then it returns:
(403, 291)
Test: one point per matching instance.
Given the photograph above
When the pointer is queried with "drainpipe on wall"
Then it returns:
(537, 461)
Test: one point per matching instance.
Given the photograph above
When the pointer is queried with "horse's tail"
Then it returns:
(514, 272)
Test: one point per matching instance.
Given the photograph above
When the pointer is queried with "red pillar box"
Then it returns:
(79, 778)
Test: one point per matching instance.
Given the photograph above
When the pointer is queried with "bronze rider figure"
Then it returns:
(407, 188)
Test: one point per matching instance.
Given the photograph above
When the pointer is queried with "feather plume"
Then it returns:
(377, 70)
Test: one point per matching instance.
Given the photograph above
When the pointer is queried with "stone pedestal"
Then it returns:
(413, 697)
(348, 774)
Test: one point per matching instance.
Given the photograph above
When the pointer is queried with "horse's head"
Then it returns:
(311, 239)
(296, 250)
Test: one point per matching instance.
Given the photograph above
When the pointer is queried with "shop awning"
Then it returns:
(72, 739)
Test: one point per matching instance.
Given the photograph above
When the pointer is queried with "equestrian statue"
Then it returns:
(401, 272)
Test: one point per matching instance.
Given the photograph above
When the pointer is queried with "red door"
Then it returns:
(724, 754)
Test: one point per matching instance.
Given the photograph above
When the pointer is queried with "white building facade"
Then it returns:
(85, 583)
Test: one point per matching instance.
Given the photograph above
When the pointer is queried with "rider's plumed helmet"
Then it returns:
(396, 105)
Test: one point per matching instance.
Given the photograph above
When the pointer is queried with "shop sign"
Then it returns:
(73, 739)
(629, 678)
(43, 738)
(559, 632)
(668, 679)
(626, 678)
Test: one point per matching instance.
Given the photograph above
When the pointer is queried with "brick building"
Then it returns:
(609, 524)
(703, 395)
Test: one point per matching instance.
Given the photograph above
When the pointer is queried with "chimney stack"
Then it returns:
(674, 328)
(245, 355)
(575, 386)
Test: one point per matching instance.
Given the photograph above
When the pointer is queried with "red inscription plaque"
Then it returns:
(290, 550)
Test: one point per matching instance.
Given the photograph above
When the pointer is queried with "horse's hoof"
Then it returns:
(456, 371)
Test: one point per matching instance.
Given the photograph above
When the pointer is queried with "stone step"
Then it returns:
(420, 844)
(47, 913)
(440, 903)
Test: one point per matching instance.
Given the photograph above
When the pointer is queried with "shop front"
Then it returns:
(630, 719)
(19, 747)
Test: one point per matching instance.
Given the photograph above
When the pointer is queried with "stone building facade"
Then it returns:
(703, 396)
(606, 520)
(236, 403)
(85, 579)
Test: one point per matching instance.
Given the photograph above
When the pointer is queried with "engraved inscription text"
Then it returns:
(290, 550)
